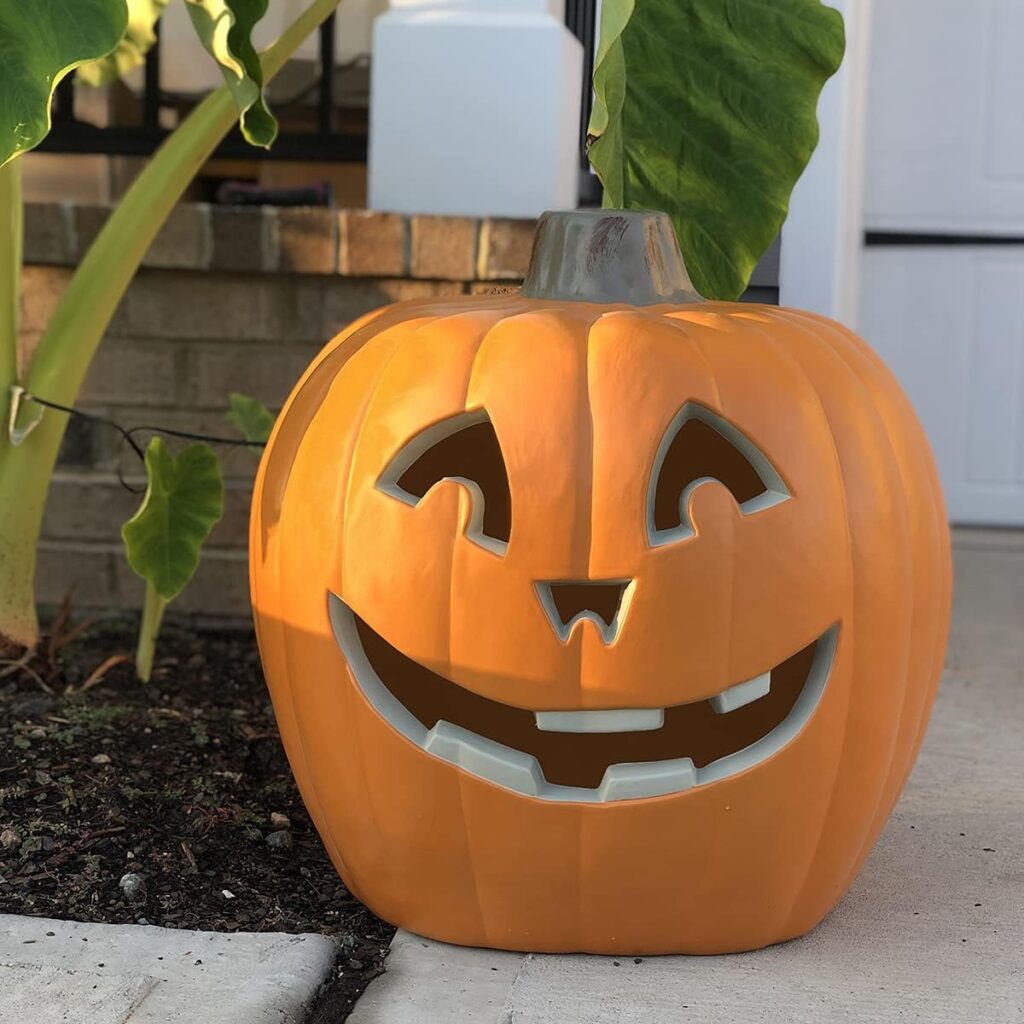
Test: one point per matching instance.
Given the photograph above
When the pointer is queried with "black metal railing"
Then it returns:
(581, 20)
(70, 134)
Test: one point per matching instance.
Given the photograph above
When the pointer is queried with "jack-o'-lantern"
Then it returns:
(597, 617)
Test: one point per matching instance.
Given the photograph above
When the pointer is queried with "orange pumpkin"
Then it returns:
(609, 626)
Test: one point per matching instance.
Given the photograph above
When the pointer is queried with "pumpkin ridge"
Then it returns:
(887, 792)
(695, 342)
(891, 792)
(802, 325)
(847, 624)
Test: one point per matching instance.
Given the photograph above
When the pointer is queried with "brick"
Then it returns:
(178, 304)
(88, 220)
(84, 506)
(87, 570)
(233, 530)
(492, 288)
(347, 299)
(236, 462)
(83, 443)
(48, 230)
(28, 342)
(184, 241)
(88, 506)
(372, 244)
(505, 248)
(219, 587)
(41, 289)
(241, 238)
(444, 248)
(266, 372)
(146, 372)
(293, 308)
(307, 240)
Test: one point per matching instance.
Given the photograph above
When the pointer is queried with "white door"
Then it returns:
(942, 279)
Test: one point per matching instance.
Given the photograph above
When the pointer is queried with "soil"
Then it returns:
(181, 781)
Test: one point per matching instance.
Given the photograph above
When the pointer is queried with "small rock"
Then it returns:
(227, 894)
(279, 821)
(134, 887)
(280, 840)
(101, 759)
(353, 964)
(9, 839)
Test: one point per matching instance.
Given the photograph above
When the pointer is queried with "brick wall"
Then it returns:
(228, 299)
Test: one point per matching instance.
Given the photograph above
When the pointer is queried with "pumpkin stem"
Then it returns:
(608, 256)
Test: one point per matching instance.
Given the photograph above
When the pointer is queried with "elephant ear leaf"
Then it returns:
(706, 109)
(184, 501)
(250, 417)
(132, 48)
(225, 29)
(40, 42)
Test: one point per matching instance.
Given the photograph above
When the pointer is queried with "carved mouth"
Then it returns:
(587, 756)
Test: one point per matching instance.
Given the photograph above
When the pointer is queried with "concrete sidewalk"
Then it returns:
(76, 973)
(931, 931)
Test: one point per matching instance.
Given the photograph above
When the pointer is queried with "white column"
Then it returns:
(819, 268)
(474, 108)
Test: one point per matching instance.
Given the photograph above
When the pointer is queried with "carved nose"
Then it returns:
(604, 602)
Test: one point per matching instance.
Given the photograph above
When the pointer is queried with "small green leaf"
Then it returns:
(40, 42)
(225, 29)
(131, 51)
(184, 501)
(706, 109)
(250, 417)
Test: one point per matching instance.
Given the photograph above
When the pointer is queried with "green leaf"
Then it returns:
(131, 51)
(250, 417)
(706, 109)
(184, 501)
(225, 29)
(40, 42)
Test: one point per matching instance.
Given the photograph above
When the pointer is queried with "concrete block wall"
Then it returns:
(228, 299)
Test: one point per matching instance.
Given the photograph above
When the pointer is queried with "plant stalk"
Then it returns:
(16, 576)
(83, 315)
(149, 630)
(11, 230)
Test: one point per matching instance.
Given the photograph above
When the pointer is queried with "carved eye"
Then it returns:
(463, 449)
(700, 446)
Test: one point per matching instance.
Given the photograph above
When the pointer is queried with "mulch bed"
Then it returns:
(182, 782)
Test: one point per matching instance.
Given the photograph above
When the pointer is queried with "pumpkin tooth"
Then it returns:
(481, 756)
(615, 720)
(742, 693)
(651, 778)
